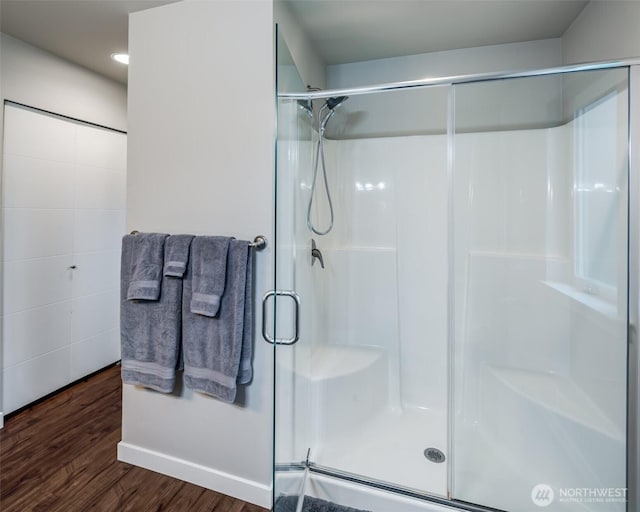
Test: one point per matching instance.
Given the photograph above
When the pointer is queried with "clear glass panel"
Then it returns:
(540, 292)
(364, 391)
(291, 362)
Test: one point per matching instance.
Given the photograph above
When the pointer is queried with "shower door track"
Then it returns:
(384, 486)
(444, 81)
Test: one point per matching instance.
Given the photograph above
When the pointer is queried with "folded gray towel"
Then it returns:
(147, 256)
(149, 330)
(217, 351)
(176, 258)
(209, 256)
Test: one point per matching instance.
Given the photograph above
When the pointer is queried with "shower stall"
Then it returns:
(467, 340)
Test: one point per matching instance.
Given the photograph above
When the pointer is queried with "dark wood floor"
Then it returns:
(60, 456)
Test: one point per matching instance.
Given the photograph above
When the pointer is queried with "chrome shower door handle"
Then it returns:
(296, 334)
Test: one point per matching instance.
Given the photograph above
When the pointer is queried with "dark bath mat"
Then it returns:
(288, 504)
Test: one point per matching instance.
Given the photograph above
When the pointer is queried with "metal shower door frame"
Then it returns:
(633, 356)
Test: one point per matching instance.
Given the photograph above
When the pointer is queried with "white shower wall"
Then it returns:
(388, 251)
(535, 348)
(513, 191)
(387, 264)
(387, 255)
(519, 200)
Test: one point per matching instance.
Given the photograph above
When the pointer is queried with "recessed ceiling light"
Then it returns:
(122, 58)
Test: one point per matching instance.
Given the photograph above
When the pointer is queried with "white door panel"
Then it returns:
(63, 204)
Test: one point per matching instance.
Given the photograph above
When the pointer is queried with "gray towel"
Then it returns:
(149, 330)
(147, 256)
(245, 372)
(176, 258)
(209, 256)
(217, 351)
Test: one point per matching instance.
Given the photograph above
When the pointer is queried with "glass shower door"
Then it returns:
(540, 265)
(362, 395)
(292, 280)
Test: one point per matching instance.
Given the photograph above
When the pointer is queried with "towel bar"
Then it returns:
(259, 242)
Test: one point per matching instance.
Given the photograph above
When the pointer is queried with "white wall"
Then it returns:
(201, 160)
(604, 30)
(310, 66)
(39, 79)
(484, 59)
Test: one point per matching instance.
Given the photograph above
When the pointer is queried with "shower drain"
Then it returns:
(434, 455)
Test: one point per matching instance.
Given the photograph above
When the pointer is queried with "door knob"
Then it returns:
(72, 267)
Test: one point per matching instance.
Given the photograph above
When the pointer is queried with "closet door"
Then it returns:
(98, 226)
(63, 215)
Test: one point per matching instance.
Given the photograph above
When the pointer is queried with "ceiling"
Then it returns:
(87, 32)
(355, 30)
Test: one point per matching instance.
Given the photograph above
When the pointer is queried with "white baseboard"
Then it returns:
(225, 483)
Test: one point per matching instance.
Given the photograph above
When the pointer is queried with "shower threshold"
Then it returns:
(340, 487)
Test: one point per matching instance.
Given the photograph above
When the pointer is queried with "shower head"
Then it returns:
(306, 106)
(334, 103)
(331, 104)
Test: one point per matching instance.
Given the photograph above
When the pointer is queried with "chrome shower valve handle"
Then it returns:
(316, 254)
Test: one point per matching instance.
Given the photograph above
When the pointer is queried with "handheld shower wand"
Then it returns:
(326, 112)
